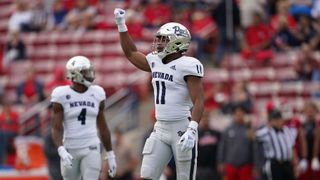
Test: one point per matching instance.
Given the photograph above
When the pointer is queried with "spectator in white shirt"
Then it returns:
(21, 18)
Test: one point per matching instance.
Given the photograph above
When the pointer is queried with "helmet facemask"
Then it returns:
(159, 44)
(85, 76)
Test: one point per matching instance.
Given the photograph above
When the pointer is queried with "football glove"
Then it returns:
(112, 163)
(315, 164)
(65, 157)
(188, 139)
(119, 15)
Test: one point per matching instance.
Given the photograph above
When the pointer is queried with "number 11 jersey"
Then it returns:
(171, 96)
(80, 112)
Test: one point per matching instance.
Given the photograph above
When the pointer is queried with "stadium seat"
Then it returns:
(285, 74)
(216, 75)
(265, 74)
(263, 88)
(243, 74)
(44, 66)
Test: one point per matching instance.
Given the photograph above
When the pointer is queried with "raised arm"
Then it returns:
(137, 58)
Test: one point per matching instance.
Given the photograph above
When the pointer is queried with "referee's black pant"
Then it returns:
(278, 170)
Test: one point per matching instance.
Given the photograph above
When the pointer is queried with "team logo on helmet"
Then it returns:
(180, 32)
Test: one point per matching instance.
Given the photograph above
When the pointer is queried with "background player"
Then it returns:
(177, 85)
(79, 111)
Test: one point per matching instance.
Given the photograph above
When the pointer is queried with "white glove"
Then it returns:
(303, 165)
(119, 15)
(112, 163)
(188, 139)
(315, 164)
(65, 157)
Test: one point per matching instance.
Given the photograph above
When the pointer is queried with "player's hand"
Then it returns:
(303, 165)
(119, 15)
(315, 165)
(65, 157)
(112, 163)
(188, 139)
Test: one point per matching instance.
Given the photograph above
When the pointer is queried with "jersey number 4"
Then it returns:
(163, 92)
(82, 116)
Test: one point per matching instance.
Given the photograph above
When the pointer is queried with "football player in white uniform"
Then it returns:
(178, 98)
(78, 112)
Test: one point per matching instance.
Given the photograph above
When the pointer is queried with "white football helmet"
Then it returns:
(80, 70)
(171, 38)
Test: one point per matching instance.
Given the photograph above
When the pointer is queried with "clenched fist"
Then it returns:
(119, 15)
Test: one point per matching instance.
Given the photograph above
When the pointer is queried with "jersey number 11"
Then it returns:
(163, 92)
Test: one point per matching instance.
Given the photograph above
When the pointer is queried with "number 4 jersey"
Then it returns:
(171, 95)
(80, 114)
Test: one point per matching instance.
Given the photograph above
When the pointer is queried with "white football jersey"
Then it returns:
(171, 95)
(80, 114)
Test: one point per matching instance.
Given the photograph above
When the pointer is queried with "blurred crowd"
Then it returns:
(255, 29)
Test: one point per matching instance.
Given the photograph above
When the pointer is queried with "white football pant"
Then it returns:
(86, 163)
(161, 145)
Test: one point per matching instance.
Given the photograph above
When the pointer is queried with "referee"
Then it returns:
(277, 143)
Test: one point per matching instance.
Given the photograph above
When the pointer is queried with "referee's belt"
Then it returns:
(280, 161)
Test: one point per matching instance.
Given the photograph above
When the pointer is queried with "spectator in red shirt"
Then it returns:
(30, 90)
(282, 13)
(257, 40)
(9, 127)
(216, 95)
(59, 79)
(204, 30)
(156, 13)
(135, 24)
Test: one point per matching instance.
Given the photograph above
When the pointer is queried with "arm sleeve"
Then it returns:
(101, 94)
(193, 68)
(56, 95)
(151, 59)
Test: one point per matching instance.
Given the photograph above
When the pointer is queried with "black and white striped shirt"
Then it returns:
(277, 144)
